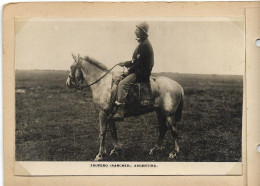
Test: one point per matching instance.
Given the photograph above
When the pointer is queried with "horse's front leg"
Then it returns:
(117, 146)
(102, 135)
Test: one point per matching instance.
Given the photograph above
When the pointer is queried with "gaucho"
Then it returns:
(139, 68)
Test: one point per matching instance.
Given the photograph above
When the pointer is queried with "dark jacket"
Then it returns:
(143, 61)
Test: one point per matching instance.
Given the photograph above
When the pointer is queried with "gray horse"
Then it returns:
(168, 104)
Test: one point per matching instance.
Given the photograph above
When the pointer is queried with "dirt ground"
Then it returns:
(54, 123)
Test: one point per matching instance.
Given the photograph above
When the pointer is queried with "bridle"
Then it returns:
(72, 76)
(76, 84)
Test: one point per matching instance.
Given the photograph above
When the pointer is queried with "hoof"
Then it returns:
(155, 149)
(151, 152)
(99, 157)
(172, 155)
(116, 151)
(113, 152)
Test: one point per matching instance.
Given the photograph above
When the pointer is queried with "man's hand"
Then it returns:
(122, 64)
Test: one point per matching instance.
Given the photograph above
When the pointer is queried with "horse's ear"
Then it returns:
(74, 57)
(79, 57)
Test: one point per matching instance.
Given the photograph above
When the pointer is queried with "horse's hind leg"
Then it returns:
(162, 131)
(113, 131)
(173, 127)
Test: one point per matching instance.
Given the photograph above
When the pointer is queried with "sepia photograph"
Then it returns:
(129, 90)
(131, 93)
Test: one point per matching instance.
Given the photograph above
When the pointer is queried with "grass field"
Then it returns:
(54, 123)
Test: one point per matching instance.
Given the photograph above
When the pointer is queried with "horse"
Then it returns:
(168, 102)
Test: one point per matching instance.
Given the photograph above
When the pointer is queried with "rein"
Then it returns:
(78, 87)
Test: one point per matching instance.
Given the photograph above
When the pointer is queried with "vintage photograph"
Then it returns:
(129, 90)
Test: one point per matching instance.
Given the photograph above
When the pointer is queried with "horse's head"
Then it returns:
(75, 75)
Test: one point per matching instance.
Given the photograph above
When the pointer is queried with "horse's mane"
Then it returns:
(96, 63)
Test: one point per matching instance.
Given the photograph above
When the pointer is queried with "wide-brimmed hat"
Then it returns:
(144, 27)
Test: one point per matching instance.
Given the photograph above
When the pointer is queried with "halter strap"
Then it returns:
(81, 87)
(86, 86)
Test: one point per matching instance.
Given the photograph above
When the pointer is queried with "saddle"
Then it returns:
(140, 95)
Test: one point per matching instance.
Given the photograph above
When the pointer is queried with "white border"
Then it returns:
(27, 168)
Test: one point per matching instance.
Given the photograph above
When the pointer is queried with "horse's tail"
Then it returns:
(178, 113)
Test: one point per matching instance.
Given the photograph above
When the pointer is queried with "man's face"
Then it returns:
(138, 32)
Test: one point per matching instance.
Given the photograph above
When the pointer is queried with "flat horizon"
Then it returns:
(152, 72)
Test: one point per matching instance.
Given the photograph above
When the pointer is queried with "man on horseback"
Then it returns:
(139, 68)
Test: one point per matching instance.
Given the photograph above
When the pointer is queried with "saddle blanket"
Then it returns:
(139, 93)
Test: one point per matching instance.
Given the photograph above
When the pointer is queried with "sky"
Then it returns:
(182, 44)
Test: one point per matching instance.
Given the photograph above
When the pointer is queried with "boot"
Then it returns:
(119, 115)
